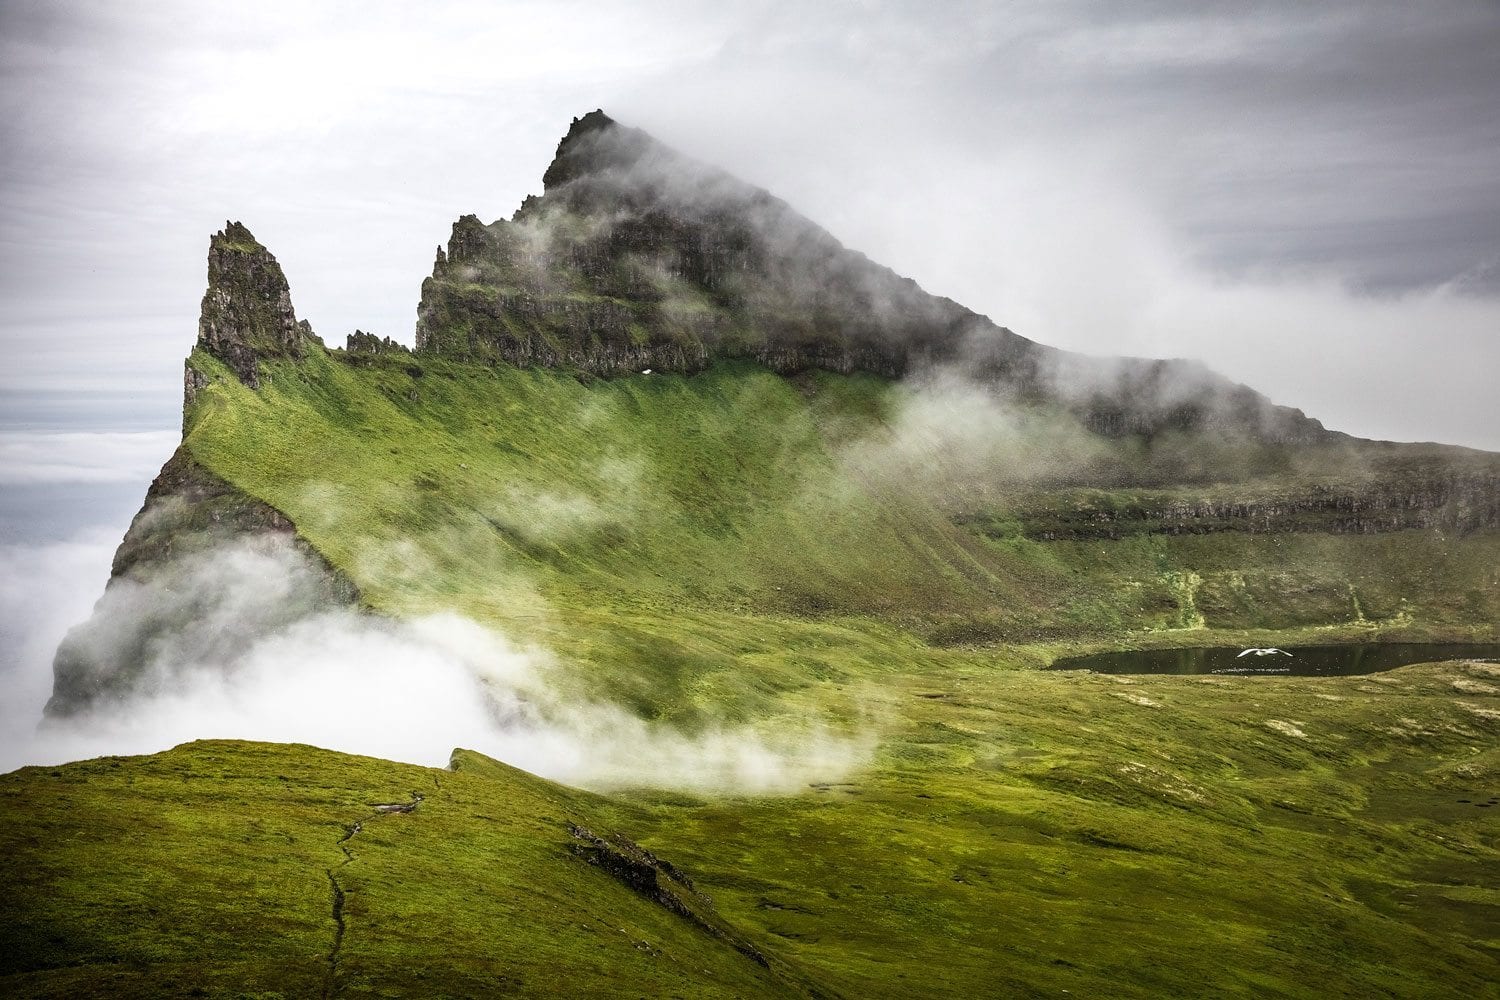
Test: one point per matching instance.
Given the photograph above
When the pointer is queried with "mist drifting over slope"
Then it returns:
(228, 643)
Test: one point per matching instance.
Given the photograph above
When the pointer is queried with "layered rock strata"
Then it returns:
(638, 257)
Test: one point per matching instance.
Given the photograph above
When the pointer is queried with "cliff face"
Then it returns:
(197, 547)
(1453, 500)
(637, 257)
(247, 310)
(164, 574)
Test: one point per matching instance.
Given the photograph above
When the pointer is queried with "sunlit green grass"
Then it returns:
(1017, 832)
(730, 548)
(1136, 836)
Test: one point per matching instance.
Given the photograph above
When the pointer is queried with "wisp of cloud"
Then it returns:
(234, 653)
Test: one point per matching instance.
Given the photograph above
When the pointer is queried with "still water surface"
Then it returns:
(1304, 661)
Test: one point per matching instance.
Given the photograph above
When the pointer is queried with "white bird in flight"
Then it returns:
(1262, 652)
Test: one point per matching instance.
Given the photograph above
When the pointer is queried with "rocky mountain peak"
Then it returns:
(593, 143)
(638, 256)
(247, 309)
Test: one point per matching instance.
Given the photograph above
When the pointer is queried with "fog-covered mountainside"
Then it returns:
(638, 257)
(680, 501)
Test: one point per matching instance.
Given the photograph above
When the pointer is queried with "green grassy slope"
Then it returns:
(692, 544)
(741, 548)
(1026, 834)
(1018, 833)
(209, 870)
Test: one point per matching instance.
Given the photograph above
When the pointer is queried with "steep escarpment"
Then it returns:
(247, 313)
(771, 465)
(162, 577)
(1411, 489)
(638, 257)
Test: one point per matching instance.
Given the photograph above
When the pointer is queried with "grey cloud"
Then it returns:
(1071, 169)
(235, 643)
(1336, 138)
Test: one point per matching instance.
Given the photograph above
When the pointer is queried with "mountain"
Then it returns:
(785, 594)
(638, 257)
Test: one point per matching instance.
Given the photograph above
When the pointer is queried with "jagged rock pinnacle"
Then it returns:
(247, 310)
(639, 257)
(594, 143)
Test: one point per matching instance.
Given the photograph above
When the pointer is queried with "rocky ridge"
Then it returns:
(247, 312)
(638, 257)
(190, 513)
(1455, 500)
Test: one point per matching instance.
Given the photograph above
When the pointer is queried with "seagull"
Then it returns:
(1272, 651)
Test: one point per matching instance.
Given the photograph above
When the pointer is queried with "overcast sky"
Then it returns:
(1305, 196)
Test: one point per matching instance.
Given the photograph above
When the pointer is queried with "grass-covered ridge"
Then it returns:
(740, 495)
(1018, 833)
(239, 869)
(741, 548)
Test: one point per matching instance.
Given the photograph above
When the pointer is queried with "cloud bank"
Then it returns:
(1305, 196)
(231, 646)
(35, 457)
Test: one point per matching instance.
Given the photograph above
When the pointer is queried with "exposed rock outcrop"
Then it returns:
(659, 881)
(360, 342)
(188, 510)
(1457, 498)
(638, 257)
(203, 569)
(247, 310)
(199, 545)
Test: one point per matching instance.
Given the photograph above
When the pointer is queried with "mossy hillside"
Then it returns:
(701, 546)
(210, 871)
(713, 549)
(1026, 833)
(1016, 833)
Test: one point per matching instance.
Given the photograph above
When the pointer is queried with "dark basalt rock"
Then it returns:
(189, 509)
(360, 342)
(1457, 493)
(638, 257)
(247, 310)
(198, 549)
(659, 881)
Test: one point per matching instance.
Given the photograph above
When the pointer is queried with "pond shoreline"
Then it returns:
(1321, 660)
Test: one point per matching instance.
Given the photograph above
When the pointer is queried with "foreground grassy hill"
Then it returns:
(237, 869)
(1017, 833)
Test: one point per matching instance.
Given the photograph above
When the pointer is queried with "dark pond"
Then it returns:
(1304, 661)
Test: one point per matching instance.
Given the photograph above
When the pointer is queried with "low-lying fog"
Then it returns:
(234, 653)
